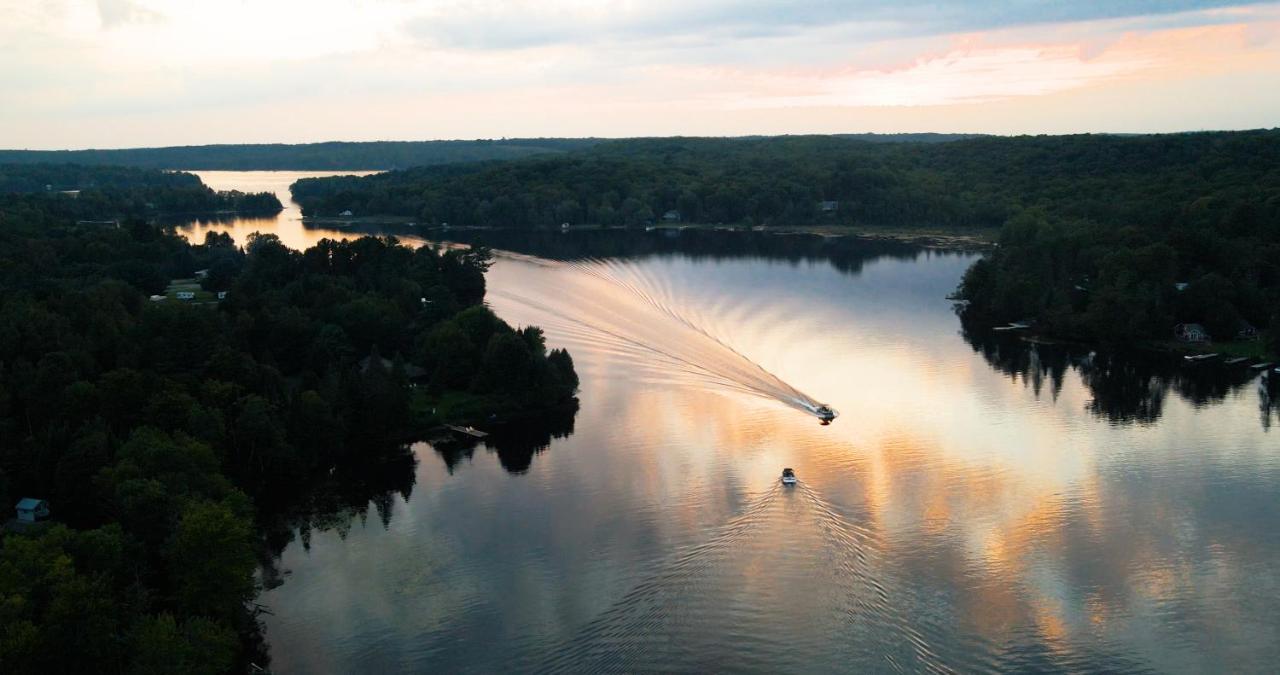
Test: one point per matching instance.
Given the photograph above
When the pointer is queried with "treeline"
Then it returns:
(107, 193)
(1216, 263)
(333, 156)
(808, 180)
(159, 431)
(339, 156)
(1190, 236)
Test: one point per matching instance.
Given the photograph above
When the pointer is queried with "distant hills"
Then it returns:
(331, 156)
(337, 156)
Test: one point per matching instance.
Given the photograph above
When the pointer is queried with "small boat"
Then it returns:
(788, 476)
(1234, 361)
(1260, 366)
(825, 413)
(1199, 357)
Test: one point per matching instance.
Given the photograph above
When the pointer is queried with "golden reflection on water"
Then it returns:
(961, 487)
(287, 224)
(951, 518)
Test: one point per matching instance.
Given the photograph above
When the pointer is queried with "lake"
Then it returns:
(287, 224)
(981, 503)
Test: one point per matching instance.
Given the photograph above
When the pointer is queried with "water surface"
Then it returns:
(287, 224)
(982, 503)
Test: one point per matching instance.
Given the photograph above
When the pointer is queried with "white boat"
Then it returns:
(1199, 357)
(825, 413)
(788, 476)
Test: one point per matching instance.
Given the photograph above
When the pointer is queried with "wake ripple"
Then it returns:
(786, 583)
(623, 310)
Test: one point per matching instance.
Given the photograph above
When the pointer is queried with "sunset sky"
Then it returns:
(127, 73)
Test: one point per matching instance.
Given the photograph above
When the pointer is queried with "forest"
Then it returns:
(823, 180)
(347, 156)
(1113, 239)
(111, 193)
(331, 156)
(163, 433)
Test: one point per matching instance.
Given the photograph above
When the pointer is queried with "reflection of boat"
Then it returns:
(788, 477)
(825, 413)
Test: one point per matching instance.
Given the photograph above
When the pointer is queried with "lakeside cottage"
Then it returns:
(30, 510)
(185, 295)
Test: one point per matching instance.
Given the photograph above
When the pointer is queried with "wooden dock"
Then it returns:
(470, 431)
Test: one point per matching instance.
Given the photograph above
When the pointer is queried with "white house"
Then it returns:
(30, 510)
(185, 295)
(346, 214)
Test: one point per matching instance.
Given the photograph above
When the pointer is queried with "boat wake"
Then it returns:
(620, 309)
(750, 591)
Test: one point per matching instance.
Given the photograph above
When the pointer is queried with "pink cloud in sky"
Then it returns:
(75, 73)
(977, 70)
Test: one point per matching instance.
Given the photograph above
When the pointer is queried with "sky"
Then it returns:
(136, 73)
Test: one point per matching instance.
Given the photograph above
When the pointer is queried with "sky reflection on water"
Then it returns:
(981, 503)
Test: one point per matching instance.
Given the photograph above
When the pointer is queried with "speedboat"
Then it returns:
(825, 413)
(788, 477)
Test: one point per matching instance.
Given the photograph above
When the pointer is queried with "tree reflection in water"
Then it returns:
(1125, 387)
(516, 442)
(335, 501)
(1269, 398)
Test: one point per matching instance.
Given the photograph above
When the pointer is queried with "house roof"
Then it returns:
(29, 504)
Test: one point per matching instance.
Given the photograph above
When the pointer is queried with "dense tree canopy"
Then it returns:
(106, 193)
(159, 431)
(983, 181)
(306, 156)
(338, 156)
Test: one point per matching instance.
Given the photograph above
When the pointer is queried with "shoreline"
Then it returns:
(966, 239)
(1252, 351)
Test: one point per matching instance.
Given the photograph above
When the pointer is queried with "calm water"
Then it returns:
(287, 224)
(982, 503)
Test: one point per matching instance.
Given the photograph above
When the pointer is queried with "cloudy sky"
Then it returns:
(126, 73)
